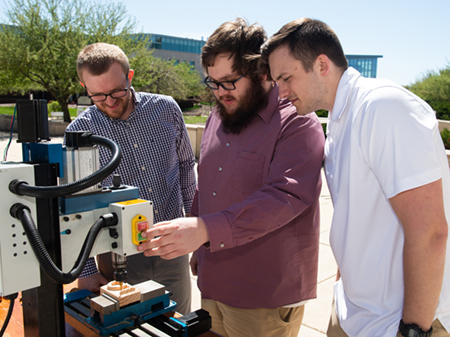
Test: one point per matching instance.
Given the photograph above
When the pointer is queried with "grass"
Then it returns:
(9, 110)
(6, 110)
(194, 119)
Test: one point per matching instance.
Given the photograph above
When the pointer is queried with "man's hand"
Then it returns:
(92, 283)
(171, 239)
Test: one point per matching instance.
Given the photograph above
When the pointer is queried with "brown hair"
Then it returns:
(241, 41)
(98, 57)
(305, 39)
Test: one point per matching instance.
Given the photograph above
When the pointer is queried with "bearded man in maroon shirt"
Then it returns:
(255, 225)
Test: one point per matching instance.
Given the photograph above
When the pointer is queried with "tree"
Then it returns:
(39, 47)
(165, 77)
(191, 79)
(435, 89)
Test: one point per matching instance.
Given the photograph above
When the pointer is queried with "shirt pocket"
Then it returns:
(248, 171)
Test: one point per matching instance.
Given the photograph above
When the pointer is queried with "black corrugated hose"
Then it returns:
(22, 188)
(22, 212)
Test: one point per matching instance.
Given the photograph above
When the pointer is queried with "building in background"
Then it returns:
(179, 49)
(187, 50)
(365, 64)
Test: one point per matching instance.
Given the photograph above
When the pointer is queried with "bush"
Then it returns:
(54, 106)
(445, 134)
(322, 113)
(442, 109)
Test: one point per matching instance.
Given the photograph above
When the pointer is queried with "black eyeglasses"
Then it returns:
(227, 85)
(115, 94)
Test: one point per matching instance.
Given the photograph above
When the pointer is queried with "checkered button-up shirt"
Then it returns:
(157, 155)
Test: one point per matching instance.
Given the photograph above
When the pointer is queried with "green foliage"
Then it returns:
(207, 96)
(434, 88)
(195, 119)
(322, 113)
(441, 107)
(190, 78)
(445, 134)
(9, 110)
(6, 110)
(54, 106)
(39, 47)
(165, 77)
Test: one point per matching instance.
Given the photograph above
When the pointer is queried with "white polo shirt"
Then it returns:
(381, 140)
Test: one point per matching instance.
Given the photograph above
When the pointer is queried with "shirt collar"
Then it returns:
(346, 84)
(272, 103)
(136, 97)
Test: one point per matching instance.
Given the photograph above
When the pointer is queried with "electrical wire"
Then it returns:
(22, 188)
(22, 212)
(11, 299)
(5, 152)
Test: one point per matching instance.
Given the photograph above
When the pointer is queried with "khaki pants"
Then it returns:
(335, 330)
(229, 321)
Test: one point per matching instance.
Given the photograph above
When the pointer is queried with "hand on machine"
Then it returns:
(74, 220)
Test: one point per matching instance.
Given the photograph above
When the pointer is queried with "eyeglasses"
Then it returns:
(227, 85)
(115, 94)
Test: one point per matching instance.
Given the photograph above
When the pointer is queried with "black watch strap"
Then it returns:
(413, 330)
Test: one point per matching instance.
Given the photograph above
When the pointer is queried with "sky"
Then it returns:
(412, 35)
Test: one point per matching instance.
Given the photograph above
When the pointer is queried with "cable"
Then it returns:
(11, 299)
(5, 153)
(22, 212)
(22, 188)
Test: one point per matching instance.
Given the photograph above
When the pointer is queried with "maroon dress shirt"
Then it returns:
(258, 193)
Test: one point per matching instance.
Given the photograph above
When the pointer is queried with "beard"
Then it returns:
(252, 101)
(117, 113)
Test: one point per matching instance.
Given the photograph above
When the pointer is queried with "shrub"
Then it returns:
(322, 113)
(54, 106)
(445, 134)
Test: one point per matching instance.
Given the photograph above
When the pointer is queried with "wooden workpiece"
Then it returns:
(127, 295)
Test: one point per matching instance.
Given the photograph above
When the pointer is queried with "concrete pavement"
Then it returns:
(317, 311)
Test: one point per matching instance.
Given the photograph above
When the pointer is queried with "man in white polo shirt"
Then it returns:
(389, 179)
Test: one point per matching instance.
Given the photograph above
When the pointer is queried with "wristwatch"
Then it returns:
(413, 330)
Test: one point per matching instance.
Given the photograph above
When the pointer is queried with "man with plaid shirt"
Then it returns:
(157, 158)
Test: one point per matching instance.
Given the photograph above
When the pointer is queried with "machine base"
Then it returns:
(135, 319)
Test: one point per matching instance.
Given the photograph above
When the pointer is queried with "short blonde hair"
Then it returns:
(98, 57)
